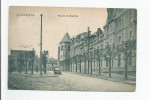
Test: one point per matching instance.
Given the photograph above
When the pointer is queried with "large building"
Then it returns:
(112, 48)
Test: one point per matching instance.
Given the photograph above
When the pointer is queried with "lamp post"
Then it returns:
(41, 47)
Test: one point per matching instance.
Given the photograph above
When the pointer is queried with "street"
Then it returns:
(66, 82)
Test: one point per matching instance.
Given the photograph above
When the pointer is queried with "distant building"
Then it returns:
(83, 54)
(19, 59)
(51, 63)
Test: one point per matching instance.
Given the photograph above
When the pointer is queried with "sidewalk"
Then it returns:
(35, 74)
(114, 77)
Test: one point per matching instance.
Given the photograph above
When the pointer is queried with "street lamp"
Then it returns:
(41, 47)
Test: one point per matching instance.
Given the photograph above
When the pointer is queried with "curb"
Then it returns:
(34, 76)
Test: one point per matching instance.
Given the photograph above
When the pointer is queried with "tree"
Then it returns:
(84, 58)
(71, 64)
(26, 61)
(99, 56)
(80, 61)
(127, 48)
(74, 58)
(19, 63)
(11, 63)
(32, 60)
(91, 56)
(109, 53)
(45, 60)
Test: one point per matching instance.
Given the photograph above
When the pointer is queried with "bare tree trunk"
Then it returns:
(110, 66)
(26, 67)
(80, 65)
(10, 67)
(76, 66)
(126, 68)
(19, 67)
(99, 67)
(91, 66)
(32, 68)
(88, 67)
(85, 67)
(71, 66)
(45, 70)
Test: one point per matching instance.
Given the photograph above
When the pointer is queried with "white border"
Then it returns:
(143, 51)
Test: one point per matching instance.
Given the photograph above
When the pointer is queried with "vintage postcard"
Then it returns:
(72, 49)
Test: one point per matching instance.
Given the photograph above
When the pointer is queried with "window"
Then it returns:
(119, 39)
(61, 56)
(119, 59)
(68, 48)
(130, 35)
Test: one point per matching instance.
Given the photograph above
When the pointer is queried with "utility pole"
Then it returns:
(41, 47)
(88, 48)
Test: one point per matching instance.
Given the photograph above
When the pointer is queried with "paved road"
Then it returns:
(66, 82)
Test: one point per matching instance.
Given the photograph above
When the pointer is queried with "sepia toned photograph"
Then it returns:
(72, 49)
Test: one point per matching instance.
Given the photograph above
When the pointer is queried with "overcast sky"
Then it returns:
(25, 29)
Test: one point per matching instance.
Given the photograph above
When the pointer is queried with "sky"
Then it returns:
(24, 26)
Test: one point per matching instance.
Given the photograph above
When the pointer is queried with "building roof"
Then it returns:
(66, 38)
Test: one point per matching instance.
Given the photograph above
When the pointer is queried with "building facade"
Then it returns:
(108, 50)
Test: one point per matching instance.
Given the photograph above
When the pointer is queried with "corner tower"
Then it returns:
(64, 52)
